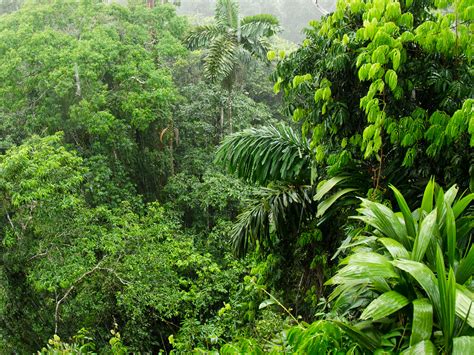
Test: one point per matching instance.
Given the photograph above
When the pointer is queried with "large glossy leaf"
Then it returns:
(422, 321)
(384, 305)
(463, 345)
(465, 305)
(427, 231)
(451, 235)
(424, 276)
(327, 186)
(385, 220)
(466, 267)
(447, 293)
(425, 347)
(396, 250)
(427, 202)
(326, 204)
(462, 204)
(407, 215)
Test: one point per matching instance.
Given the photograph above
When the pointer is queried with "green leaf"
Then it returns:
(425, 235)
(465, 305)
(407, 215)
(462, 204)
(328, 186)
(422, 321)
(359, 337)
(385, 220)
(450, 235)
(396, 250)
(463, 345)
(384, 305)
(425, 347)
(266, 303)
(466, 267)
(423, 275)
(427, 202)
(326, 204)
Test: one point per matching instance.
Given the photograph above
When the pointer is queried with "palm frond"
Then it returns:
(220, 60)
(270, 214)
(259, 25)
(227, 13)
(258, 46)
(261, 155)
(202, 36)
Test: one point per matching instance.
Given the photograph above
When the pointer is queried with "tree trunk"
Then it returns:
(222, 122)
(229, 108)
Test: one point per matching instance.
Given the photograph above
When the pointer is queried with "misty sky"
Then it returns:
(294, 15)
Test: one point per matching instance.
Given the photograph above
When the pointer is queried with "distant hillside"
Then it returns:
(293, 14)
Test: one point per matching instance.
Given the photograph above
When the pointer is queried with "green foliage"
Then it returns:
(415, 258)
(266, 154)
(386, 84)
(98, 73)
(230, 40)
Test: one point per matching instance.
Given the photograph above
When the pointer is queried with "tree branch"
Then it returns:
(70, 289)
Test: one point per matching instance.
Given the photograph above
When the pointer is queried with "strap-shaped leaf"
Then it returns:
(385, 305)
(462, 204)
(326, 204)
(385, 220)
(407, 215)
(422, 321)
(450, 235)
(427, 230)
(463, 345)
(427, 202)
(396, 250)
(447, 293)
(465, 304)
(423, 275)
(327, 186)
(425, 347)
(466, 267)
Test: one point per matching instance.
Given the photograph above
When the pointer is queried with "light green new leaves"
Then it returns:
(391, 79)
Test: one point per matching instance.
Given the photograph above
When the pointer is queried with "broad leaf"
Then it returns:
(465, 304)
(424, 276)
(326, 204)
(396, 250)
(426, 232)
(425, 347)
(466, 267)
(422, 321)
(407, 215)
(384, 305)
(463, 345)
(328, 186)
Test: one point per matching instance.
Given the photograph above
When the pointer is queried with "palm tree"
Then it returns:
(230, 42)
(280, 161)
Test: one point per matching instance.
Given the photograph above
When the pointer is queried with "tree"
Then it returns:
(387, 84)
(231, 42)
(102, 75)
